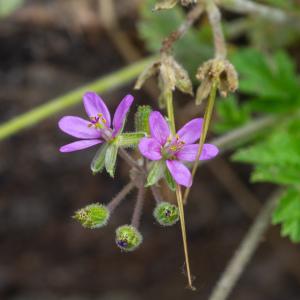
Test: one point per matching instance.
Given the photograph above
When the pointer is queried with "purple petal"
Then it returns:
(180, 172)
(150, 148)
(94, 105)
(191, 131)
(120, 114)
(78, 127)
(189, 152)
(75, 146)
(159, 127)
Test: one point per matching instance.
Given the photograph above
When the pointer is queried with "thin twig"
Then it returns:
(245, 251)
(112, 205)
(191, 18)
(214, 16)
(138, 209)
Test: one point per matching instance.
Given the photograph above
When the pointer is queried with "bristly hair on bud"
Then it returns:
(92, 216)
(128, 238)
(216, 70)
(166, 214)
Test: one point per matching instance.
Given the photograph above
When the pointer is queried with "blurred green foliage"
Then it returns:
(9, 6)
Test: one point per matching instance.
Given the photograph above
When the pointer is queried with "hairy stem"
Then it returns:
(112, 205)
(59, 104)
(138, 209)
(192, 16)
(214, 16)
(245, 251)
(205, 126)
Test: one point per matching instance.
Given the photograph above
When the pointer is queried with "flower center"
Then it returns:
(98, 122)
(172, 147)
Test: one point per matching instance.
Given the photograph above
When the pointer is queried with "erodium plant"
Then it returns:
(167, 154)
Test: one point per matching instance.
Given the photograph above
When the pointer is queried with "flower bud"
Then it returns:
(128, 238)
(166, 214)
(93, 216)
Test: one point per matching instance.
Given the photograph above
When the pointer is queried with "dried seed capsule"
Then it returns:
(166, 214)
(93, 216)
(128, 238)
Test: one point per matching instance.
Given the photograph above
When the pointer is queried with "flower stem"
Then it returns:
(205, 126)
(183, 231)
(112, 205)
(138, 209)
(170, 112)
(58, 104)
(170, 109)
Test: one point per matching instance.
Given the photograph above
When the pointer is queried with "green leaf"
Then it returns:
(9, 6)
(170, 181)
(98, 161)
(129, 139)
(231, 114)
(110, 159)
(156, 172)
(287, 214)
(270, 80)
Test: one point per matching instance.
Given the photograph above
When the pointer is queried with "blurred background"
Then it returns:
(50, 47)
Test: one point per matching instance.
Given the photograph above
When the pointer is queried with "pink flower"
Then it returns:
(97, 129)
(175, 150)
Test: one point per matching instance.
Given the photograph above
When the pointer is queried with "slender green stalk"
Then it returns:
(58, 104)
(170, 113)
(205, 126)
(170, 110)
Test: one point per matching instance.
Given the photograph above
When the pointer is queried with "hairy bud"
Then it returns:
(128, 238)
(188, 2)
(166, 214)
(92, 216)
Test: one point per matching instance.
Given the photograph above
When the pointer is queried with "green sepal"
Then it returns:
(111, 158)
(156, 172)
(142, 119)
(129, 139)
(170, 181)
(98, 161)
